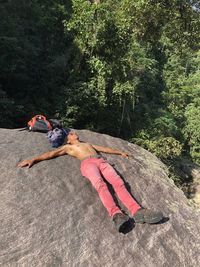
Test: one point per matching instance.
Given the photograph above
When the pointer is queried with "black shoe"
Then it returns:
(120, 220)
(147, 216)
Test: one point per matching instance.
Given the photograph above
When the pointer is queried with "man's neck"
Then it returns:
(75, 142)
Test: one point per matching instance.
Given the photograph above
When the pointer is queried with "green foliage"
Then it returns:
(162, 147)
(8, 110)
(111, 62)
(192, 129)
(32, 60)
(166, 147)
(183, 97)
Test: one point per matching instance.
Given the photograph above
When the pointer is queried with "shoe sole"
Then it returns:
(152, 220)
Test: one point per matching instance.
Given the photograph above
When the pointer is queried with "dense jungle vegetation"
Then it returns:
(127, 68)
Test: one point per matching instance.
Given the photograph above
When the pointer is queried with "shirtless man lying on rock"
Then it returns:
(93, 166)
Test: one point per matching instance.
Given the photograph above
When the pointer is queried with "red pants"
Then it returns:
(93, 169)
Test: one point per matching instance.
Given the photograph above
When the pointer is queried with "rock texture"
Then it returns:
(51, 216)
(193, 189)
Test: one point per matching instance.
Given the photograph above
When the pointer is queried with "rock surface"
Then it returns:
(51, 216)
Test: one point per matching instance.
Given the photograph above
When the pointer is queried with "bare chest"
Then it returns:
(81, 148)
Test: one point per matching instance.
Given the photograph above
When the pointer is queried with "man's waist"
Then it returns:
(96, 156)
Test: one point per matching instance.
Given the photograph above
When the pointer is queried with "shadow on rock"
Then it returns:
(164, 220)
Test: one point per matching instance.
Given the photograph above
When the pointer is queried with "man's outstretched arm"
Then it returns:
(110, 150)
(48, 155)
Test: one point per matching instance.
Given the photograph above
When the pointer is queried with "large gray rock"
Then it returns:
(51, 216)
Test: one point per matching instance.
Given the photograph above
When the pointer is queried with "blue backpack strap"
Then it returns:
(66, 131)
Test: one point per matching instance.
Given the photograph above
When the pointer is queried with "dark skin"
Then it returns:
(73, 147)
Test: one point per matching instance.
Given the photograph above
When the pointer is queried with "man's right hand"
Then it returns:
(26, 162)
(124, 154)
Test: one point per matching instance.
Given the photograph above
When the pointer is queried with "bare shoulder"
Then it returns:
(66, 148)
(62, 149)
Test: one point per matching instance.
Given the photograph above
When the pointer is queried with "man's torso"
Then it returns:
(80, 150)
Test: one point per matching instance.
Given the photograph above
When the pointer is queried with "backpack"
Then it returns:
(57, 136)
(39, 123)
(55, 123)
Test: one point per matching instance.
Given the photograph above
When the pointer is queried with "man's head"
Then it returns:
(71, 137)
